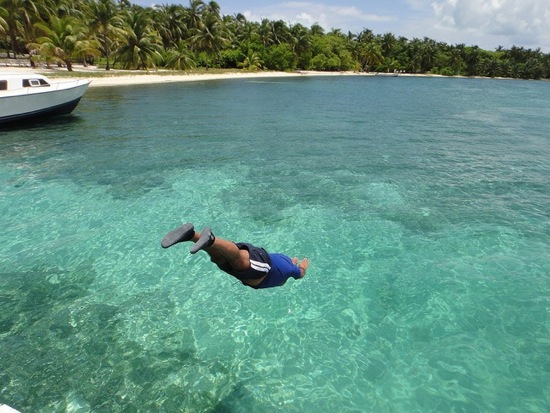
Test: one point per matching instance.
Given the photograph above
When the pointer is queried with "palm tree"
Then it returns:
(317, 30)
(241, 29)
(302, 43)
(213, 8)
(4, 27)
(490, 68)
(170, 23)
(428, 54)
(124, 4)
(194, 14)
(3, 22)
(180, 58)
(455, 59)
(472, 58)
(105, 20)
(43, 53)
(211, 37)
(62, 8)
(534, 68)
(414, 49)
(142, 45)
(366, 36)
(266, 32)
(517, 54)
(21, 15)
(370, 54)
(63, 40)
(281, 32)
(389, 43)
(252, 61)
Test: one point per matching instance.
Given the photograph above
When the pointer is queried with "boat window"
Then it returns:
(3, 85)
(34, 83)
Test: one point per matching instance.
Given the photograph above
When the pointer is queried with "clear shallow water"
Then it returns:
(424, 205)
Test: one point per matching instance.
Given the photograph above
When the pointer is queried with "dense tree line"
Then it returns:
(120, 34)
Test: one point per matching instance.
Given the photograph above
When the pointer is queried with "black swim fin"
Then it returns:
(181, 234)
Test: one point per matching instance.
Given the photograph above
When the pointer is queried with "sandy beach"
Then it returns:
(102, 78)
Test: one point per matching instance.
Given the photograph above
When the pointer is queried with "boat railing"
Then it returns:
(58, 85)
(65, 82)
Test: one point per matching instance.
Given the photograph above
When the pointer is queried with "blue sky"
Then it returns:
(486, 23)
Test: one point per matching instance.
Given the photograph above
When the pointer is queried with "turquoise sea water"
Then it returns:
(423, 204)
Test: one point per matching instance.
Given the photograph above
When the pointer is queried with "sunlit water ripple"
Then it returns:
(423, 204)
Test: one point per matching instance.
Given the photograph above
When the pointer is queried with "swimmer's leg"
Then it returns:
(221, 251)
(205, 240)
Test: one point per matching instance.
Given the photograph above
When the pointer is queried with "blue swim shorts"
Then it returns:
(260, 263)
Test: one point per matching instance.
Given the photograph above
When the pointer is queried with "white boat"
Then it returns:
(28, 96)
(4, 408)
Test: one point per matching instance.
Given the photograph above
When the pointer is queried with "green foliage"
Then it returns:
(280, 57)
(447, 71)
(319, 62)
(176, 36)
(230, 58)
(330, 52)
(203, 60)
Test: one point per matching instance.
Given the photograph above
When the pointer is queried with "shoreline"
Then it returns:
(115, 77)
(102, 78)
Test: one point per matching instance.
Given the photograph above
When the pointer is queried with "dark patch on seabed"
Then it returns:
(62, 351)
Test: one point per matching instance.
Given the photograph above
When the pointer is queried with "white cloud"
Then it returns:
(521, 22)
(418, 4)
(307, 13)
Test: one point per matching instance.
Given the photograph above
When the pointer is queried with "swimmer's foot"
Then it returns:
(206, 240)
(181, 234)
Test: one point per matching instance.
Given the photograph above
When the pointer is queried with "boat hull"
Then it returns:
(60, 99)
